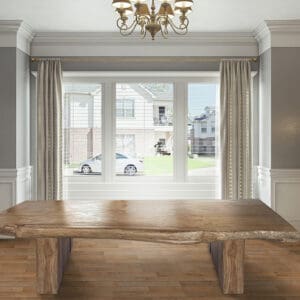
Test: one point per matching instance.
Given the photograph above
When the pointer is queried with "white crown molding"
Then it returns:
(16, 33)
(263, 37)
(284, 33)
(113, 44)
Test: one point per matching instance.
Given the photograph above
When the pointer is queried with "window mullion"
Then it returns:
(180, 132)
(108, 131)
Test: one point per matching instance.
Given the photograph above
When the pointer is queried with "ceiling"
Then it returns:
(98, 15)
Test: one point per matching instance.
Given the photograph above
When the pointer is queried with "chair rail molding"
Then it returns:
(280, 189)
(273, 33)
(112, 44)
(15, 186)
(16, 33)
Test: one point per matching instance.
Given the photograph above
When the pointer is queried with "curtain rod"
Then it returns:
(140, 59)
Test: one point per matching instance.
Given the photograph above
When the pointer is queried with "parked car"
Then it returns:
(124, 165)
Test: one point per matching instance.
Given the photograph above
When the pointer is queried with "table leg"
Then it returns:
(228, 258)
(51, 257)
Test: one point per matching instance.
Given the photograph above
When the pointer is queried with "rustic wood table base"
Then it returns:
(228, 258)
(224, 225)
(52, 255)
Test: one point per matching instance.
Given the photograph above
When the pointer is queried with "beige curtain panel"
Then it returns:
(235, 139)
(49, 136)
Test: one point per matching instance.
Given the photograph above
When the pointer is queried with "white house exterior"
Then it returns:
(144, 118)
(202, 133)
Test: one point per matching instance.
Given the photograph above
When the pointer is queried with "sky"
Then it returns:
(200, 96)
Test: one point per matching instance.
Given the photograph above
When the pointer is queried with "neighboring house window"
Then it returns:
(162, 141)
(203, 129)
(125, 108)
(162, 115)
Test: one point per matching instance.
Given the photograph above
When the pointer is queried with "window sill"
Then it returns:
(93, 187)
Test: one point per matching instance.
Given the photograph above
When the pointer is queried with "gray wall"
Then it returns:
(7, 108)
(265, 85)
(23, 110)
(14, 108)
(285, 108)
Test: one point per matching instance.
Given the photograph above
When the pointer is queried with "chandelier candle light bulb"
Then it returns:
(149, 19)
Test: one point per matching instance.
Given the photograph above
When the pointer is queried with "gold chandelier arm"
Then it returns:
(143, 32)
(130, 29)
(122, 25)
(182, 29)
(163, 21)
(164, 33)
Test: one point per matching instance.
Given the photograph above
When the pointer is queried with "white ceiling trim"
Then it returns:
(285, 33)
(272, 33)
(112, 44)
(16, 33)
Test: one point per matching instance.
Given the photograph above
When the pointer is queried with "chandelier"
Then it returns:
(150, 20)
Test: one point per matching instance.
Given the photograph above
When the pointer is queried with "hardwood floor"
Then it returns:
(109, 269)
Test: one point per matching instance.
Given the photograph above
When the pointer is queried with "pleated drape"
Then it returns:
(235, 124)
(49, 130)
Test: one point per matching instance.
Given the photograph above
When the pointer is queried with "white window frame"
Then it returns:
(108, 186)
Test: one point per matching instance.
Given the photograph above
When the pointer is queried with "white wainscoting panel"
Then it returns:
(286, 194)
(280, 189)
(15, 186)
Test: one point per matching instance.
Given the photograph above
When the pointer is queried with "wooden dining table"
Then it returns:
(223, 225)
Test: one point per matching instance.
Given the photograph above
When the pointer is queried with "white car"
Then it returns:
(124, 165)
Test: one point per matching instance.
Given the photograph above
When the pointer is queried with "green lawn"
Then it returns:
(163, 165)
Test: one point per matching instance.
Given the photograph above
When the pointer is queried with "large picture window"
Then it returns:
(137, 138)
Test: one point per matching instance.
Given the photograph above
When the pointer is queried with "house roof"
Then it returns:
(157, 91)
(201, 118)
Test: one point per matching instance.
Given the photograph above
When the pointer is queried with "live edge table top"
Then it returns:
(181, 222)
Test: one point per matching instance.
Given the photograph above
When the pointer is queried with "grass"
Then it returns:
(163, 165)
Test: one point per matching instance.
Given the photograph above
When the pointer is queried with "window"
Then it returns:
(82, 127)
(125, 108)
(141, 138)
(202, 138)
